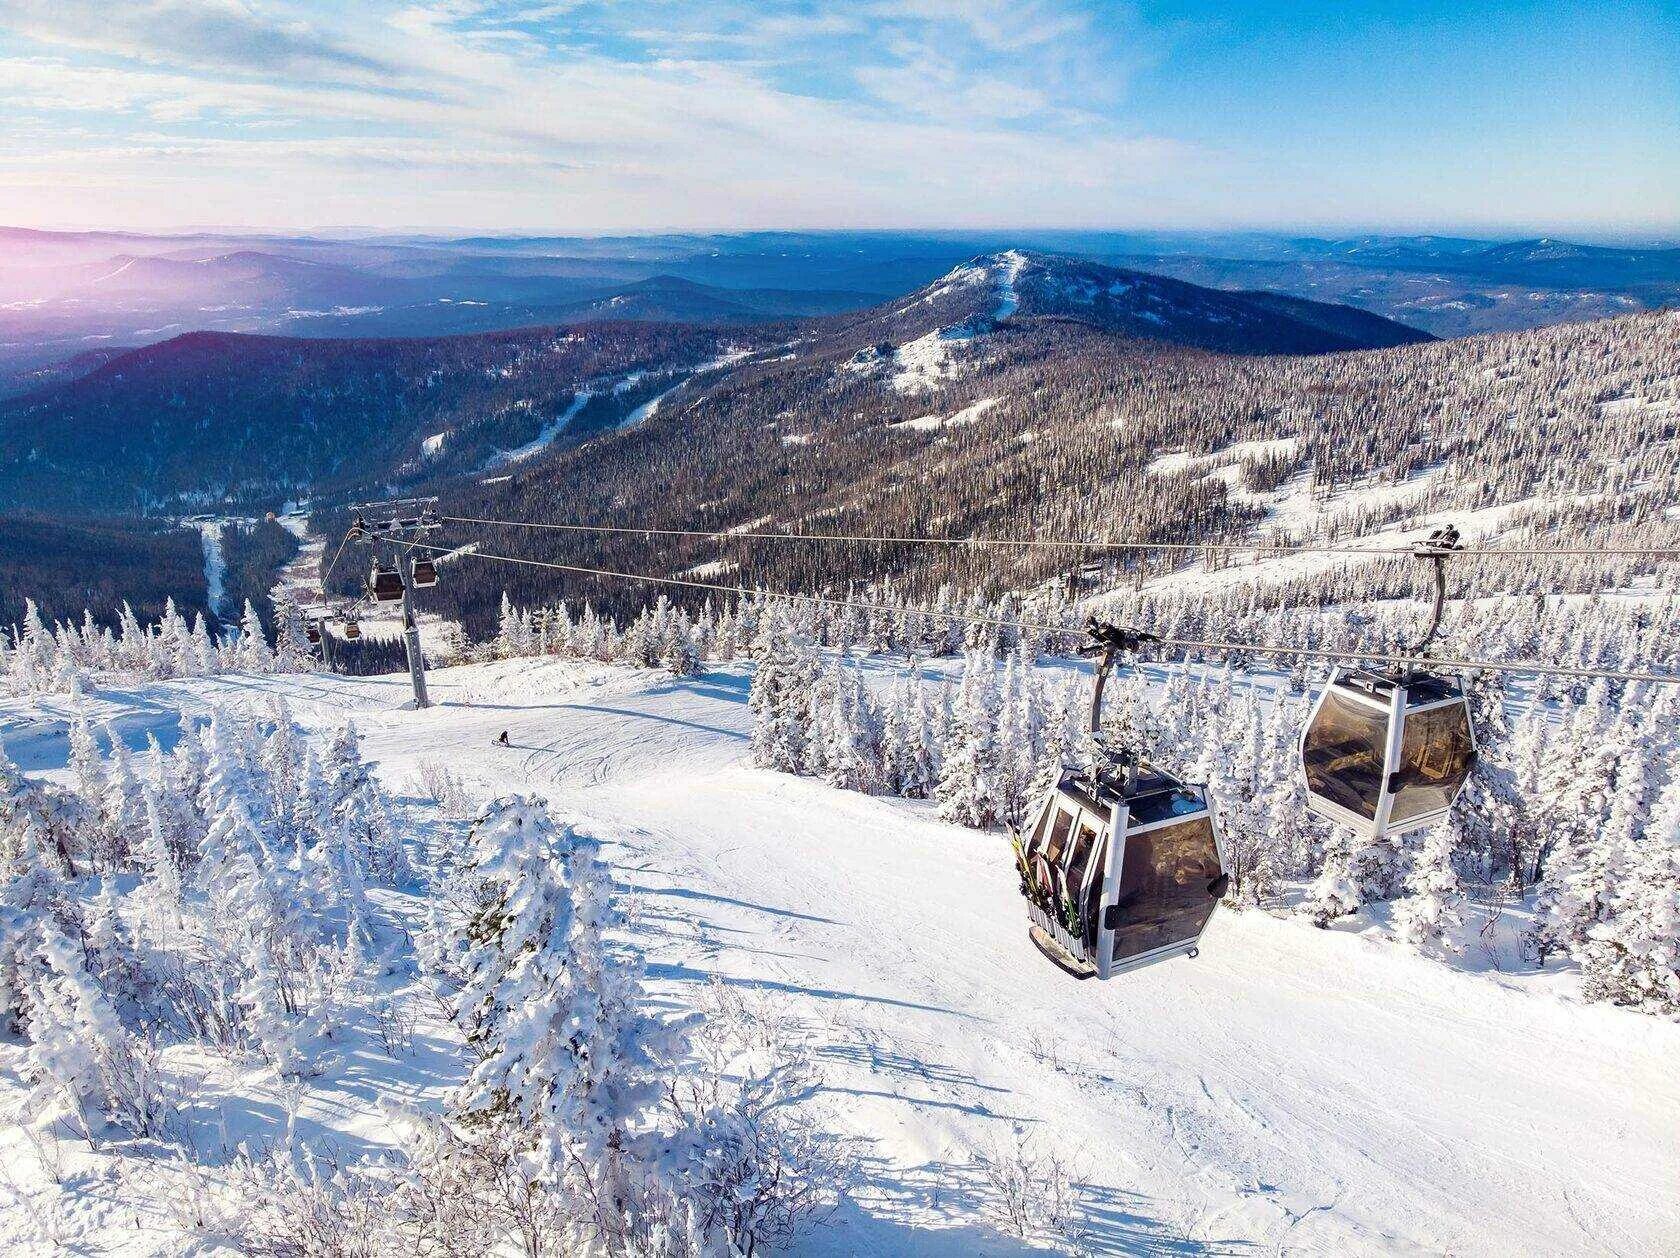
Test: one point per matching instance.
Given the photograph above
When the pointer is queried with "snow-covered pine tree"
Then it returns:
(250, 652)
(566, 1047)
(359, 813)
(848, 729)
(121, 811)
(780, 694)
(1631, 956)
(1429, 912)
(1336, 891)
(292, 652)
(968, 779)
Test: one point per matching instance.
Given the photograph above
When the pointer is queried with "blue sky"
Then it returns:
(575, 116)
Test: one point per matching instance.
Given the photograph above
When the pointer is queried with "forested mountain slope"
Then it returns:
(1042, 426)
(213, 416)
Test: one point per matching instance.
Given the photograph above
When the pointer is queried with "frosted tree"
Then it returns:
(779, 697)
(203, 648)
(968, 779)
(1339, 888)
(1632, 954)
(79, 1052)
(847, 729)
(1240, 786)
(1595, 838)
(1431, 908)
(121, 811)
(682, 653)
(1021, 742)
(34, 663)
(907, 759)
(162, 881)
(87, 766)
(566, 1049)
(39, 823)
(250, 652)
(281, 759)
(292, 652)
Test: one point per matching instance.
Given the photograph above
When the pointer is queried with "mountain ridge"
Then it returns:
(260, 415)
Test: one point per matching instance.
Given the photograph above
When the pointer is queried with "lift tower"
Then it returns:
(401, 522)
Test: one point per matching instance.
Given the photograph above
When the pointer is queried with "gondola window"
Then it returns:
(1435, 758)
(1344, 753)
(1164, 886)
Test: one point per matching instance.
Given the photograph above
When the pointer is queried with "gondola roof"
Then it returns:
(1421, 688)
(1153, 795)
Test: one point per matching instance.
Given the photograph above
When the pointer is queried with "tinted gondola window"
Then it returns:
(1164, 877)
(1083, 842)
(1058, 836)
(1435, 755)
(1343, 753)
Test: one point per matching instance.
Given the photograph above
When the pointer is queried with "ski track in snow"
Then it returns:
(215, 568)
(649, 408)
(1008, 299)
(1293, 1090)
(545, 438)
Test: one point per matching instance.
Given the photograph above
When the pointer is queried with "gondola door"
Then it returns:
(1114, 846)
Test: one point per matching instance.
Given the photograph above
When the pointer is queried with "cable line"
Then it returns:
(1187, 644)
(1262, 548)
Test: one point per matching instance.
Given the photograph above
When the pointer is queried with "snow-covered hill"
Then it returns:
(1293, 1090)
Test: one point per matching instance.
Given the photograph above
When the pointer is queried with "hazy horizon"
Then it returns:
(1658, 237)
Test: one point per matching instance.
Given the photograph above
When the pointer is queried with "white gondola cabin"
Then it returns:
(424, 573)
(1121, 870)
(1387, 754)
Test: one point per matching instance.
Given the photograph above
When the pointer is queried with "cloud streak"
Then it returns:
(568, 115)
(580, 115)
(224, 35)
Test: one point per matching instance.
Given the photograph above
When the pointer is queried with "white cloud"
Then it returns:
(215, 34)
(464, 112)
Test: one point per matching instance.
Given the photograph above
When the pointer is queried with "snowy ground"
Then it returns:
(1293, 1090)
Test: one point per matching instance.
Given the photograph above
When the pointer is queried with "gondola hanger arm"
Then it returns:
(1437, 548)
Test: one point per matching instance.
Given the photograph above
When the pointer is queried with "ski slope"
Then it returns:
(1292, 1091)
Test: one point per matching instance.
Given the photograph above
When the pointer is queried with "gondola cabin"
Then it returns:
(352, 630)
(385, 584)
(313, 634)
(424, 573)
(1121, 871)
(1386, 755)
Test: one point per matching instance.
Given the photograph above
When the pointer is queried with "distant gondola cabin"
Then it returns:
(385, 584)
(1386, 755)
(1121, 871)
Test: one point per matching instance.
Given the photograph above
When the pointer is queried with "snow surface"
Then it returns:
(545, 438)
(647, 410)
(215, 567)
(919, 366)
(1182, 461)
(1010, 263)
(1293, 507)
(967, 415)
(1292, 1091)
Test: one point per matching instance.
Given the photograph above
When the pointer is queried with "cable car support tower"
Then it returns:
(403, 523)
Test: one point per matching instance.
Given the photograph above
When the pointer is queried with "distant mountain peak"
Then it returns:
(991, 289)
